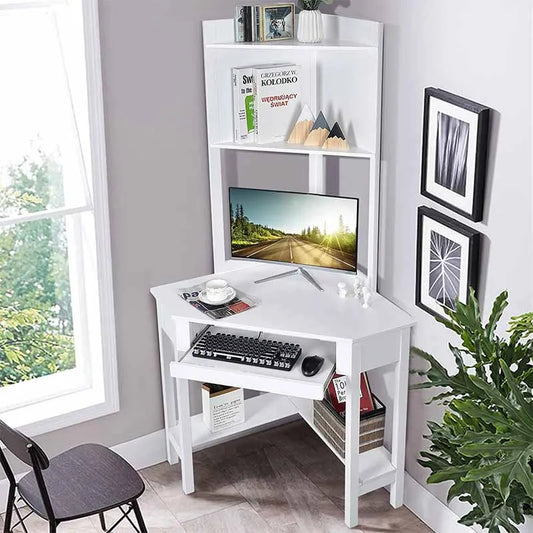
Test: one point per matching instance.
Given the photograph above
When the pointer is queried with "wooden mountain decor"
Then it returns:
(336, 139)
(302, 127)
(319, 132)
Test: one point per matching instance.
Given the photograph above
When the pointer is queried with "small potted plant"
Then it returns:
(310, 28)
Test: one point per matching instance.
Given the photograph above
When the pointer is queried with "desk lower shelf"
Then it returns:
(375, 467)
(375, 470)
(260, 412)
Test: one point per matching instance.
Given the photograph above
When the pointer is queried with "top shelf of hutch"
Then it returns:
(293, 45)
(340, 34)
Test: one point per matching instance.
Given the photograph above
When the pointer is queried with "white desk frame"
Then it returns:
(363, 340)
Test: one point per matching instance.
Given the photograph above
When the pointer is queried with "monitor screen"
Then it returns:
(291, 227)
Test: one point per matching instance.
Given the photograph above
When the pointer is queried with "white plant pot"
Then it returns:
(310, 26)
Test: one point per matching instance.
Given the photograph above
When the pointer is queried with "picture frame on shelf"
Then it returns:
(454, 152)
(275, 22)
(447, 263)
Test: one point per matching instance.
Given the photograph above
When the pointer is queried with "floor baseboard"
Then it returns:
(145, 451)
(430, 509)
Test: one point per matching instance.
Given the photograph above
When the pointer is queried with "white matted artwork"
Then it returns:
(454, 152)
(447, 261)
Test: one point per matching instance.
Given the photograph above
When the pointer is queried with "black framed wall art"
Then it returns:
(447, 261)
(454, 152)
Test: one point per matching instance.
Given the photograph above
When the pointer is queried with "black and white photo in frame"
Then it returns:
(454, 152)
(447, 261)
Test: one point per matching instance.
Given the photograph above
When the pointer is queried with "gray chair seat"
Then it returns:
(85, 480)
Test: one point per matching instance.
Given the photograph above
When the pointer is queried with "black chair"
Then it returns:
(86, 480)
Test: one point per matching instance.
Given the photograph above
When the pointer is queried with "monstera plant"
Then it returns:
(484, 443)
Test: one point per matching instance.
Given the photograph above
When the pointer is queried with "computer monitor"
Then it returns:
(294, 228)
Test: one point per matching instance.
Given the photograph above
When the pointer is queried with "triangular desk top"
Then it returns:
(291, 306)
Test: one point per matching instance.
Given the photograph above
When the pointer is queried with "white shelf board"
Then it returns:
(283, 147)
(375, 467)
(263, 410)
(330, 45)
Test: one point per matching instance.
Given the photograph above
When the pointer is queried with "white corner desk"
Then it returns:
(352, 338)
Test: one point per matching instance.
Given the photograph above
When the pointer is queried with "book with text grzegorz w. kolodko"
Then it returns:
(277, 93)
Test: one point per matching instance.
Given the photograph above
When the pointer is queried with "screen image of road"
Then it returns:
(304, 229)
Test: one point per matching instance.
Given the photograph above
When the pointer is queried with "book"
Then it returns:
(244, 23)
(336, 394)
(257, 23)
(243, 105)
(222, 406)
(274, 23)
(276, 101)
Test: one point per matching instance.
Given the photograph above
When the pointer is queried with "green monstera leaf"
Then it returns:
(484, 443)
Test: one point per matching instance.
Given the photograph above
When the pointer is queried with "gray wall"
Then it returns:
(157, 160)
(479, 49)
(158, 189)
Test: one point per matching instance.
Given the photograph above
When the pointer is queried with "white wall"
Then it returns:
(479, 49)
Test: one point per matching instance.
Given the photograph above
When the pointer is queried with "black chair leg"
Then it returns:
(9, 510)
(102, 521)
(139, 516)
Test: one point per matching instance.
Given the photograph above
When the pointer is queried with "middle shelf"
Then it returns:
(284, 147)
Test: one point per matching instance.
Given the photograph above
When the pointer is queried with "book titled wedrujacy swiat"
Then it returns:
(277, 91)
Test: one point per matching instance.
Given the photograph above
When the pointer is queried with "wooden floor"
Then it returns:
(282, 480)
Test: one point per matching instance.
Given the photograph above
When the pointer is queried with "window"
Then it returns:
(57, 351)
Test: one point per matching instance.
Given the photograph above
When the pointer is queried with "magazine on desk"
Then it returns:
(240, 303)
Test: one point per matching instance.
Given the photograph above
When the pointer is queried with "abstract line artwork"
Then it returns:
(452, 153)
(444, 270)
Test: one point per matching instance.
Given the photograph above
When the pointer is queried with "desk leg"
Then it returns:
(351, 468)
(166, 354)
(185, 435)
(401, 380)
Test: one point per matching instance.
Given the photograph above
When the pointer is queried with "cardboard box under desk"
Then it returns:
(332, 426)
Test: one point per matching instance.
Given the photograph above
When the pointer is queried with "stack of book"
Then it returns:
(266, 102)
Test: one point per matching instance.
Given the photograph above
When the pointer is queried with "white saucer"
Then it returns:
(206, 300)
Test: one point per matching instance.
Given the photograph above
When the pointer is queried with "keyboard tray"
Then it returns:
(260, 378)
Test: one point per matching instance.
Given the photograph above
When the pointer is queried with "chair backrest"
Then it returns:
(30, 453)
(23, 447)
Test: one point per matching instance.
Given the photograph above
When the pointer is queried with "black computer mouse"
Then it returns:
(311, 365)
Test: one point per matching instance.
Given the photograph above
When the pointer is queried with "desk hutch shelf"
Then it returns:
(343, 79)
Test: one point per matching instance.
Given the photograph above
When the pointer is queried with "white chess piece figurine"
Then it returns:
(357, 286)
(366, 297)
(341, 289)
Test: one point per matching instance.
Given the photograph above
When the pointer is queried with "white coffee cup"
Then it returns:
(217, 289)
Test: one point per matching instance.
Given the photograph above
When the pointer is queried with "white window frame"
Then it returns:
(98, 397)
